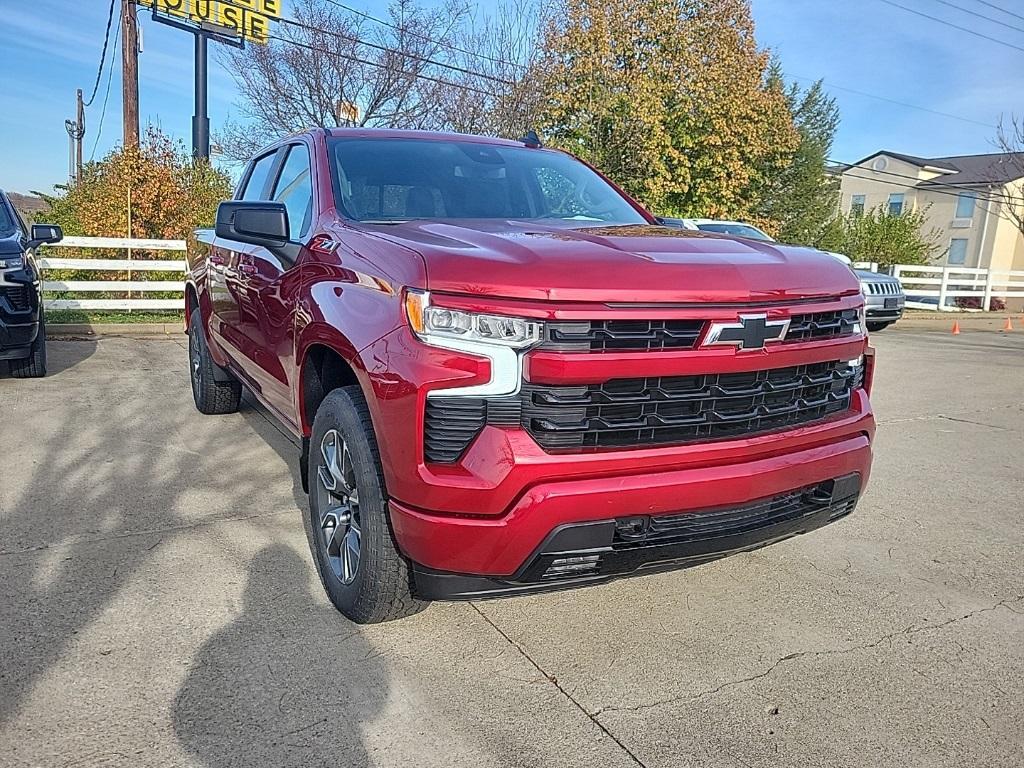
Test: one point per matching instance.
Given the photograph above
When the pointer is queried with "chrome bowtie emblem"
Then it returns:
(751, 332)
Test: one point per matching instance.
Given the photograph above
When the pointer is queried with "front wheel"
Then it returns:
(875, 327)
(33, 366)
(354, 551)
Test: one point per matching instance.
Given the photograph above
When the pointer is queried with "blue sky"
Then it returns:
(52, 47)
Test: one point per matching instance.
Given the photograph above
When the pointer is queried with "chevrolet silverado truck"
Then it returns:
(506, 377)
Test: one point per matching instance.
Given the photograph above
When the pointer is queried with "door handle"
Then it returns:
(247, 268)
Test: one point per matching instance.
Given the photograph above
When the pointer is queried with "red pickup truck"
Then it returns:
(506, 377)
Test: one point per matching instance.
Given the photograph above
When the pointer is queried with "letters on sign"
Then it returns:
(244, 19)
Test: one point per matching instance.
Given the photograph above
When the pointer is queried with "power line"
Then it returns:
(441, 43)
(382, 48)
(385, 49)
(954, 26)
(980, 15)
(103, 54)
(103, 110)
(357, 59)
(894, 101)
(1000, 9)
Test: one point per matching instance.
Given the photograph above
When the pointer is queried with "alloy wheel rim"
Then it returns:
(339, 531)
(194, 359)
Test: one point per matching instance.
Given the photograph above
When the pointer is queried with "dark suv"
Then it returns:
(22, 327)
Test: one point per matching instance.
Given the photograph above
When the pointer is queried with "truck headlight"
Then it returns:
(431, 323)
(12, 262)
(500, 338)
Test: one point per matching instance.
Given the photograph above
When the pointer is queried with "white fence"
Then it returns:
(946, 284)
(128, 265)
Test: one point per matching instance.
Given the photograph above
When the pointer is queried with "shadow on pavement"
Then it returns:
(98, 483)
(60, 356)
(262, 691)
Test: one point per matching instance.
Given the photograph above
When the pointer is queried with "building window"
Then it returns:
(965, 203)
(958, 250)
(895, 203)
(857, 205)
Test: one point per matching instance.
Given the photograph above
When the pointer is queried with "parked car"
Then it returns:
(883, 294)
(507, 378)
(22, 325)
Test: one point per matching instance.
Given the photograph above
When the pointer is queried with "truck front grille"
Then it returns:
(601, 335)
(658, 335)
(17, 297)
(882, 288)
(637, 413)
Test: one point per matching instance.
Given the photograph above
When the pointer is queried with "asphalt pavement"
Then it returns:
(158, 606)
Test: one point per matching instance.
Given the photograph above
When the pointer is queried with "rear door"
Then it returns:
(265, 286)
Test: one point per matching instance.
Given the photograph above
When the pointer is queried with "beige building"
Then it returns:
(965, 198)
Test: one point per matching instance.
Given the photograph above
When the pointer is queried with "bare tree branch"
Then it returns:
(439, 68)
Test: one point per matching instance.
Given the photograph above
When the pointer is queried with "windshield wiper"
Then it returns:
(384, 221)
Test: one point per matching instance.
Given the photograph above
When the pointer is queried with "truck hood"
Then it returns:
(622, 264)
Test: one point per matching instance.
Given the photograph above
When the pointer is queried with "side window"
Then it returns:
(294, 188)
(258, 178)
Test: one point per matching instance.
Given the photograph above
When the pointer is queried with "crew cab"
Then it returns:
(506, 377)
(22, 321)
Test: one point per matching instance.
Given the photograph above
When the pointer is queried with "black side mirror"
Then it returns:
(45, 234)
(258, 222)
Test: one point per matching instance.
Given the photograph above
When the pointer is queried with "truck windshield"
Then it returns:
(395, 180)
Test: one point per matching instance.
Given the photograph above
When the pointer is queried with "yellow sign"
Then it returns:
(245, 19)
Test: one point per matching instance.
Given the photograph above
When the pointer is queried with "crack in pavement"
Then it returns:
(932, 416)
(554, 681)
(911, 630)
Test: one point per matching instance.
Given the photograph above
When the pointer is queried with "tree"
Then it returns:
(155, 190)
(332, 67)
(671, 98)
(798, 201)
(1010, 139)
(879, 236)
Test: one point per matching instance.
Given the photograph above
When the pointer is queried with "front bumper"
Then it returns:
(503, 548)
(19, 314)
(884, 308)
(581, 554)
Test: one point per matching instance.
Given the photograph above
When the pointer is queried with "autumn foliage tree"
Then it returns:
(671, 97)
(155, 190)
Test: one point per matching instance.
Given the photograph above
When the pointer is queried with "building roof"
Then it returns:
(992, 168)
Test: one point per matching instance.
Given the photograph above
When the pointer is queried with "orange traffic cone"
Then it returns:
(956, 328)
(1008, 325)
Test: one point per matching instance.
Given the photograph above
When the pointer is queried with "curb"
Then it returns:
(993, 321)
(140, 330)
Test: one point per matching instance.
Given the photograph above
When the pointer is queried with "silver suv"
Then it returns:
(883, 298)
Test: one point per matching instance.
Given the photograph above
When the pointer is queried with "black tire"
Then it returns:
(875, 327)
(211, 396)
(33, 366)
(380, 583)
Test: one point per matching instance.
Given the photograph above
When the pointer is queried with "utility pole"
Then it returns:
(130, 73)
(79, 133)
(201, 120)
